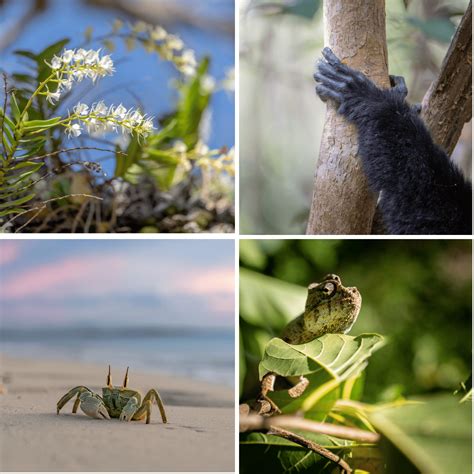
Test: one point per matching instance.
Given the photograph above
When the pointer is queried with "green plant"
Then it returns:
(330, 421)
(34, 135)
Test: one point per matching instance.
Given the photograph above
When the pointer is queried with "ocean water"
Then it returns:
(206, 355)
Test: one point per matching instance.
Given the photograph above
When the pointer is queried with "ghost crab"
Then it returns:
(115, 402)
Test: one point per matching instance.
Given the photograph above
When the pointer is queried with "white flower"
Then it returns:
(55, 63)
(139, 26)
(180, 147)
(189, 57)
(136, 118)
(107, 64)
(79, 75)
(208, 83)
(92, 57)
(100, 108)
(110, 126)
(73, 129)
(158, 33)
(51, 97)
(147, 126)
(81, 109)
(66, 83)
(68, 56)
(188, 70)
(201, 148)
(119, 112)
(80, 55)
(173, 42)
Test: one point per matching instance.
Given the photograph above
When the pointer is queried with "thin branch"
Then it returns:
(306, 443)
(43, 206)
(64, 150)
(256, 422)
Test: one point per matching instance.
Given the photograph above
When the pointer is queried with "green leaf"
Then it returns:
(191, 107)
(32, 125)
(133, 154)
(337, 354)
(433, 437)
(17, 202)
(15, 210)
(326, 362)
(163, 157)
(14, 107)
(25, 53)
(269, 302)
(47, 55)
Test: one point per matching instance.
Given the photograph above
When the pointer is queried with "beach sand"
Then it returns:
(199, 435)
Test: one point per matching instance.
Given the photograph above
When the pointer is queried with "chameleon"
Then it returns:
(330, 308)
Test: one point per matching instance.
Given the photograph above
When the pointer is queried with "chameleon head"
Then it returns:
(331, 307)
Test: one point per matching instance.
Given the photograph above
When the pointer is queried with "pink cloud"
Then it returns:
(86, 275)
(9, 251)
(211, 281)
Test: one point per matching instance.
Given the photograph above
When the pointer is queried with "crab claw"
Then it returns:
(93, 406)
(129, 409)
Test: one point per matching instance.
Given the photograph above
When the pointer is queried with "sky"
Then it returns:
(90, 283)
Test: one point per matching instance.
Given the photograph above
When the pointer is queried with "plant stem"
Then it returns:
(311, 445)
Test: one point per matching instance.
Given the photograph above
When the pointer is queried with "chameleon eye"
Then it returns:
(328, 289)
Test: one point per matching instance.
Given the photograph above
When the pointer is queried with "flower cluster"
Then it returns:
(75, 65)
(99, 119)
(156, 39)
(207, 160)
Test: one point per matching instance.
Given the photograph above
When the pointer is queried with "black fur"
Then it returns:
(422, 191)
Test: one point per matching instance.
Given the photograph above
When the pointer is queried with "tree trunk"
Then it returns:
(446, 106)
(342, 202)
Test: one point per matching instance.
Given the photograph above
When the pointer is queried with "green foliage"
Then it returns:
(432, 437)
(326, 362)
(440, 29)
(418, 293)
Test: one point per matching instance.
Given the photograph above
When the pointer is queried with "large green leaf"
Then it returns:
(194, 101)
(326, 362)
(269, 302)
(433, 437)
(47, 55)
(337, 354)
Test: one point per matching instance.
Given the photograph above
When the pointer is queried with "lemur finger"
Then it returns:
(326, 93)
(398, 82)
(341, 69)
(327, 81)
(327, 70)
(417, 108)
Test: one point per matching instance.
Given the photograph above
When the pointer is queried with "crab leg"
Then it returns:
(74, 391)
(91, 404)
(145, 409)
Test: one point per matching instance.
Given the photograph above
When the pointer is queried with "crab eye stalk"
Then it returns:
(125, 380)
(109, 379)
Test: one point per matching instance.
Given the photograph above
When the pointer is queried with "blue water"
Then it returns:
(138, 75)
(202, 355)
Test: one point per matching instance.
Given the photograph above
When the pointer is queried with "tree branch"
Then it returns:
(446, 106)
(256, 422)
(306, 443)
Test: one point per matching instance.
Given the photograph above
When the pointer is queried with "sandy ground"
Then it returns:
(198, 437)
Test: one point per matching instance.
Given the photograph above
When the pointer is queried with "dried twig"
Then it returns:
(306, 443)
(257, 422)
